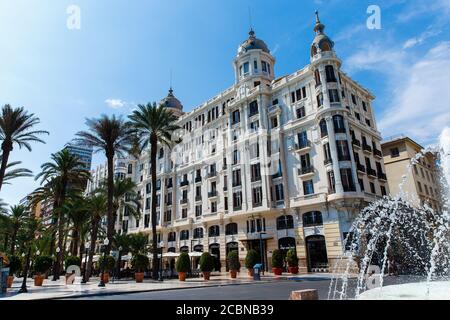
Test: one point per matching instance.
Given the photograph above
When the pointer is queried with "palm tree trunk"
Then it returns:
(153, 150)
(5, 246)
(59, 256)
(13, 241)
(94, 234)
(75, 240)
(110, 218)
(6, 149)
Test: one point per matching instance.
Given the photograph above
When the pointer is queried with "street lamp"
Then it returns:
(23, 288)
(102, 283)
(119, 259)
(261, 250)
(86, 246)
(161, 246)
(56, 266)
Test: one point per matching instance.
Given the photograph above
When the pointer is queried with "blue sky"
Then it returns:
(124, 51)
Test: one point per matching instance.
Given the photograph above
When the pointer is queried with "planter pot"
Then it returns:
(38, 280)
(293, 270)
(277, 271)
(9, 281)
(206, 275)
(139, 276)
(182, 276)
(105, 277)
(233, 274)
(250, 272)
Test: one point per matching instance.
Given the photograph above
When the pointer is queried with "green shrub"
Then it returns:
(183, 263)
(291, 257)
(277, 259)
(252, 258)
(233, 261)
(72, 261)
(15, 265)
(138, 243)
(139, 262)
(206, 262)
(42, 264)
(106, 264)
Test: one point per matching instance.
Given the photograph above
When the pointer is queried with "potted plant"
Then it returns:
(292, 260)
(206, 264)
(183, 265)
(72, 261)
(106, 264)
(277, 262)
(15, 264)
(233, 263)
(41, 266)
(251, 259)
(139, 264)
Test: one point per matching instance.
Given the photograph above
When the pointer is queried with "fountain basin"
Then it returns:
(439, 290)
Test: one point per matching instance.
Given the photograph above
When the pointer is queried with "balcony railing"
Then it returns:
(212, 174)
(225, 188)
(377, 153)
(327, 161)
(367, 148)
(183, 201)
(303, 145)
(254, 179)
(356, 143)
(371, 172)
(184, 183)
(339, 130)
(277, 175)
(343, 157)
(306, 170)
(198, 179)
(212, 194)
(237, 184)
(198, 198)
(169, 185)
(360, 167)
(382, 176)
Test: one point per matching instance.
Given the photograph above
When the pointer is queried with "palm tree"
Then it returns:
(153, 124)
(65, 173)
(97, 205)
(110, 135)
(16, 127)
(11, 173)
(78, 213)
(17, 215)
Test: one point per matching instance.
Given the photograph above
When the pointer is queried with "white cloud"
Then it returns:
(420, 108)
(115, 103)
(420, 38)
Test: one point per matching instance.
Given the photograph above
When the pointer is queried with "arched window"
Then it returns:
(213, 231)
(198, 233)
(231, 228)
(285, 222)
(338, 122)
(329, 71)
(317, 77)
(172, 236)
(184, 235)
(312, 218)
(130, 168)
(323, 128)
(161, 153)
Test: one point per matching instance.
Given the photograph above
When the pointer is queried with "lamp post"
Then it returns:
(56, 272)
(261, 250)
(23, 288)
(86, 247)
(161, 246)
(119, 259)
(102, 283)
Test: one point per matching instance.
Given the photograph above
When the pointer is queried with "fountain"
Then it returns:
(396, 233)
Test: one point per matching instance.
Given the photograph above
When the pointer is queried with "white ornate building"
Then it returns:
(281, 162)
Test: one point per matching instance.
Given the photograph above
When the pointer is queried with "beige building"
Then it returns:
(422, 179)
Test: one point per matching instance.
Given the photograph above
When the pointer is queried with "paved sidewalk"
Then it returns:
(58, 289)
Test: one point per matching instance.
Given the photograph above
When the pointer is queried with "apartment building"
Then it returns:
(269, 163)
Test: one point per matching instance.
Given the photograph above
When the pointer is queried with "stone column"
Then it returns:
(334, 156)
(352, 157)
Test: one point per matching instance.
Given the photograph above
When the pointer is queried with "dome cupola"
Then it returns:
(321, 42)
(172, 103)
(252, 43)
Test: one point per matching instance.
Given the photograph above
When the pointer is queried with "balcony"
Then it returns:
(356, 143)
(360, 167)
(303, 147)
(277, 175)
(327, 161)
(198, 198)
(183, 201)
(212, 194)
(212, 174)
(367, 148)
(305, 170)
(342, 157)
(382, 176)
(184, 183)
(255, 179)
(237, 184)
(225, 188)
(371, 172)
(198, 179)
(377, 153)
(237, 208)
(339, 130)
(169, 185)
(224, 167)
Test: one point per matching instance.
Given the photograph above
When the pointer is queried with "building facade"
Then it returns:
(422, 183)
(269, 163)
(84, 153)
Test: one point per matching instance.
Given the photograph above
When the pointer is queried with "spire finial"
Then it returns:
(317, 16)
(319, 27)
(250, 20)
